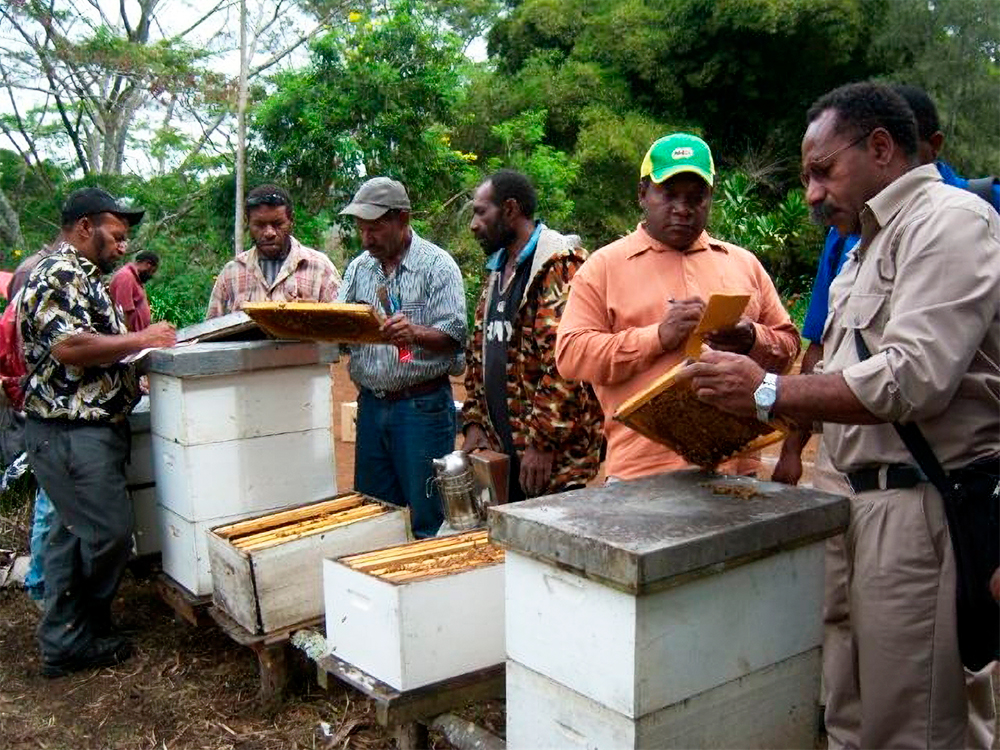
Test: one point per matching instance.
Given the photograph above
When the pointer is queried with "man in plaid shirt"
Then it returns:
(278, 268)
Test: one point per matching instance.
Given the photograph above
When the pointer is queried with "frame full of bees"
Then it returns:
(338, 322)
(669, 413)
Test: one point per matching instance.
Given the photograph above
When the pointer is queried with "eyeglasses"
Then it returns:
(819, 173)
(269, 199)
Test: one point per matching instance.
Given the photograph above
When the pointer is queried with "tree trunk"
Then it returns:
(10, 228)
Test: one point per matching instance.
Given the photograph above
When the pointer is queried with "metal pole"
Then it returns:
(241, 132)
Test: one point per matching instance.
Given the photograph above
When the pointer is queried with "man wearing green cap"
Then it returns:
(634, 302)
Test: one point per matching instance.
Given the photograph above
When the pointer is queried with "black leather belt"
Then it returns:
(885, 477)
(420, 389)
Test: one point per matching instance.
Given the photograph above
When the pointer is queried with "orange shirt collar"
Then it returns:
(644, 241)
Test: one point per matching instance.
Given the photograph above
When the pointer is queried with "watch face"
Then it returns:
(767, 398)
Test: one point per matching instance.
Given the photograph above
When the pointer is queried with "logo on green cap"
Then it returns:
(677, 153)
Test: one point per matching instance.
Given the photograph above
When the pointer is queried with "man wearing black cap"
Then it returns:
(278, 268)
(406, 412)
(78, 394)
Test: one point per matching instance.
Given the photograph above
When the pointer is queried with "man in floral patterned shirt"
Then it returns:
(77, 396)
(517, 403)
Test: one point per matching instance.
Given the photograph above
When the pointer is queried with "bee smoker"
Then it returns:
(469, 484)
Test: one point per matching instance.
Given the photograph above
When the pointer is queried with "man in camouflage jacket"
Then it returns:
(517, 403)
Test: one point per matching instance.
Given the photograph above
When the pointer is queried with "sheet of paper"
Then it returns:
(722, 311)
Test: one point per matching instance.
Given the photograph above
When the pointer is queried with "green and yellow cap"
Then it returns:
(676, 153)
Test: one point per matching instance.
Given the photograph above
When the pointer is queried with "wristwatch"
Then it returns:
(765, 396)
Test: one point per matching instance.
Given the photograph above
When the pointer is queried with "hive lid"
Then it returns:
(222, 358)
(236, 326)
(339, 322)
(644, 534)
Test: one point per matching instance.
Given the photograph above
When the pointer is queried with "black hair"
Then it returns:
(147, 256)
(863, 107)
(509, 184)
(269, 195)
(923, 108)
(95, 220)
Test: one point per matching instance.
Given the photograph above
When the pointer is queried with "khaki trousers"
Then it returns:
(891, 670)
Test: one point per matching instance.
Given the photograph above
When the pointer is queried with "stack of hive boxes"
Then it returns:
(681, 610)
(238, 429)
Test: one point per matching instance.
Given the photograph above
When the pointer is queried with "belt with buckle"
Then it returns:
(885, 477)
(412, 391)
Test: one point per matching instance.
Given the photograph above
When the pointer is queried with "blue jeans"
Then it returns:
(396, 441)
(41, 524)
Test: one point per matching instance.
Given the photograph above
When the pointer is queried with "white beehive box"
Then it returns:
(707, 633)
(349, 421)
(240, 405)
(247, 476)
(771, 708)
(426, 617)
(267, 572)
(185, 548)
(147, 525)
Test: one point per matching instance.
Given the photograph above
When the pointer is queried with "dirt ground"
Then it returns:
(185, 688)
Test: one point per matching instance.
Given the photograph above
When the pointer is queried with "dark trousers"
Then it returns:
(396, 441)
(81, 467)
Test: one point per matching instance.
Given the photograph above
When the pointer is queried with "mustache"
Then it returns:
(821, 214)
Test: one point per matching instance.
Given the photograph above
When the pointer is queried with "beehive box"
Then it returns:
(669, 413)
(678, 610)
(420, 613)
(340, 322)
(185, 547)
(267, 572)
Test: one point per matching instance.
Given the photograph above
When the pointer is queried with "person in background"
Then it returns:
(278, 268)
(12, 371)
(127, 289)
(516, 401)
(406, 412)
(634, 302)
(77, 396)
(919, 295)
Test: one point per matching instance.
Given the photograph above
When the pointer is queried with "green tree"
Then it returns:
(375, 100)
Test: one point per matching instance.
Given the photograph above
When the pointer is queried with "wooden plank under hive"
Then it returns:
(419, 613)
(267, 571)
(339, 322)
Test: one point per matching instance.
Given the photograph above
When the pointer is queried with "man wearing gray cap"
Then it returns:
(406, 413)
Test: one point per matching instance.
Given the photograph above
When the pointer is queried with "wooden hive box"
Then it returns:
(340, 322)
(267, 571)
(417, 614)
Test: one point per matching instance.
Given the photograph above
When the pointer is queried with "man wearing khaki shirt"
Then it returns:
(921, 289)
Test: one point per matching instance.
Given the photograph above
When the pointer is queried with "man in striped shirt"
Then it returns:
(406, 412)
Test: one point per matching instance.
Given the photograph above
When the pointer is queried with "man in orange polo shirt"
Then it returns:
(634, 302)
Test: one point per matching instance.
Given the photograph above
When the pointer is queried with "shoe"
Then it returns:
(101, 652)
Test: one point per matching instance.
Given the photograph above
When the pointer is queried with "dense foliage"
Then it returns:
(573, 92)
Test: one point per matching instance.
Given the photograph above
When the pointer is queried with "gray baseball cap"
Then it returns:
(375, 197)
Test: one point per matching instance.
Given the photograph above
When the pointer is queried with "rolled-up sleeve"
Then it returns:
(944, 298)
(586, 348)
(777, 341)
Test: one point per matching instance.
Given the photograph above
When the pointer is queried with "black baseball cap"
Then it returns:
(90, 201)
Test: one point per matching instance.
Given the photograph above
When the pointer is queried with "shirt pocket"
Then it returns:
(416, 312)
(866, 313)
